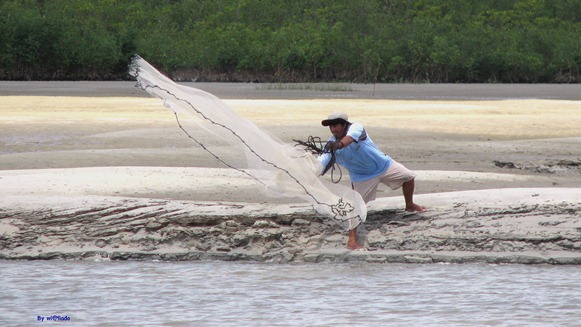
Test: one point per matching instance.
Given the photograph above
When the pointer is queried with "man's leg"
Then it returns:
(368, 190)
(408, 194)
(395, 176)
(352, 242)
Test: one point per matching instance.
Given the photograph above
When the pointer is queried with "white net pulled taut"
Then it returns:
(283, 169)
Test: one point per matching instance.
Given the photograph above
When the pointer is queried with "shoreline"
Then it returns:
(121, 218)
(535, 226)
(295, 91)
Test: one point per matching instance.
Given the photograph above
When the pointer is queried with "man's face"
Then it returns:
(338, 130)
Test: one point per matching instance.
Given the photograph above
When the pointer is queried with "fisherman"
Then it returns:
(352, 148)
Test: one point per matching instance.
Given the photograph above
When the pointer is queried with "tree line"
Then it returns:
(437, 41)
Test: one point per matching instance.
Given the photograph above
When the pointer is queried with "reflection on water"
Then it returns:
(247, 294)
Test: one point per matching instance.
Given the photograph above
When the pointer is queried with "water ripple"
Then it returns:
(247, 294)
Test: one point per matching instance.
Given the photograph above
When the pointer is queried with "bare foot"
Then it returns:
(354, 246)
(415, 207)
(352, 243)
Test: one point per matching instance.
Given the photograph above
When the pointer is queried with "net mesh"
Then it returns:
(283, 169)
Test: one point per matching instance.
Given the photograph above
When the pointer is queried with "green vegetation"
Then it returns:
(472, 41)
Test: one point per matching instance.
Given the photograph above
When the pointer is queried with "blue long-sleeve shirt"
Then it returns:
(362, 158)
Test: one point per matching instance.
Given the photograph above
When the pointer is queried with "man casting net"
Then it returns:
(283, 169)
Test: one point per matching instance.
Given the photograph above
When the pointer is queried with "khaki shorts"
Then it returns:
(393, 177)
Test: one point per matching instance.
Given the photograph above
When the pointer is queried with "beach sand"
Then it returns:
(113, 177)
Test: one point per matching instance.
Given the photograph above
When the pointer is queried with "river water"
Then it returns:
(149, 293)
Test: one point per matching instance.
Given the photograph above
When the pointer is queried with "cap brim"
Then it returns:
(329, 122)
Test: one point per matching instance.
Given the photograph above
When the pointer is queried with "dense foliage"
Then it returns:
(295, 40)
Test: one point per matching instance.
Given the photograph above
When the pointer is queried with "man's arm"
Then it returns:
(345, 141)
(325, 160)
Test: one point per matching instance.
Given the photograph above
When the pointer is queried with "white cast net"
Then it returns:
(283, 169)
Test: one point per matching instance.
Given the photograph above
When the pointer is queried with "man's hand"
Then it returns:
(333, 146)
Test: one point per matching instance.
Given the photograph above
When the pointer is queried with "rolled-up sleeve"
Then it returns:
(324, 159)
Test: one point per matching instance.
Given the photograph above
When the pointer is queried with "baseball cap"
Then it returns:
(334, 118)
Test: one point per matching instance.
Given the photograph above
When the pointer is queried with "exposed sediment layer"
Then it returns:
(494, 226)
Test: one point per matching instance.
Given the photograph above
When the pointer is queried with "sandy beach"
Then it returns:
(110, 175)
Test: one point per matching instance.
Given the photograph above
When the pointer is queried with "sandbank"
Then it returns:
(114, 178)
